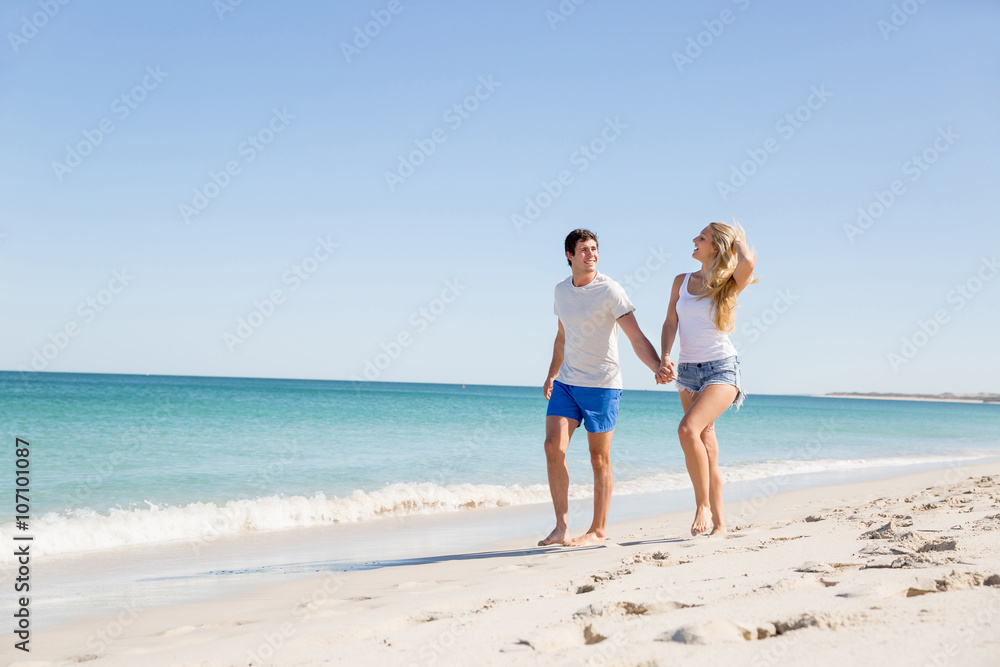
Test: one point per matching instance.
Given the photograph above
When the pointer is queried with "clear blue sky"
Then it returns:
(330, 122)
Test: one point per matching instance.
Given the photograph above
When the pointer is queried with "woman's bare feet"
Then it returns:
(557, 536)
(701, 520)
(718, 530)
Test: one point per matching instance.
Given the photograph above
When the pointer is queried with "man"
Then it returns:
(584, 382)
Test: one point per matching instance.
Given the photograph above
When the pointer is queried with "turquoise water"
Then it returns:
(121, 459)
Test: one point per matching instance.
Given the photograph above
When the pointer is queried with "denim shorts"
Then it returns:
(696, 376)
(595, 407)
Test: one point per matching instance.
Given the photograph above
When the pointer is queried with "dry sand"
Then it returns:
(903, 571)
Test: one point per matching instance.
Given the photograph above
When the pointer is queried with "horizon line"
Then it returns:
(836, 394)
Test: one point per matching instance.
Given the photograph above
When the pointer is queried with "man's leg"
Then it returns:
(558, 431)
(600, 459)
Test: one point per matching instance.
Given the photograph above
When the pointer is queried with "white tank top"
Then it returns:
(700, 339)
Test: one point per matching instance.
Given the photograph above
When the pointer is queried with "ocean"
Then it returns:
(124, 460)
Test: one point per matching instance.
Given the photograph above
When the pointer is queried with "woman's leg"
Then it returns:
(714, 480)
(700, 411)
(696, 462)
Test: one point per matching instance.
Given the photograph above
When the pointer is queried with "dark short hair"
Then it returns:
(575, 237)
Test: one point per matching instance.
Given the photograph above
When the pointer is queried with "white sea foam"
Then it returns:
(85, 530)
(781, 468)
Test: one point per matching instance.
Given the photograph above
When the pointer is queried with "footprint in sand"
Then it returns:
(557, 638)
(631, 608)
(316, 605)
(178, 631)
(651, 557)
(710, 632)
(224, 624)
(430, 616)
(560, 638)
(723, 630)
(515, 566)
(188, 629)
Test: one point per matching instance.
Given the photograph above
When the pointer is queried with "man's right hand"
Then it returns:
(547, 388)
(667, 373)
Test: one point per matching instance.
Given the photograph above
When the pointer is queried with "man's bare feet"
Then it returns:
(587, 540)
(557, 536)
(701, 520)
(718, 530)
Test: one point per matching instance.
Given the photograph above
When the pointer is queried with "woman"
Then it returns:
(703, 310)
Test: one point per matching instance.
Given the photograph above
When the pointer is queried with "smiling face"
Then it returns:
(584, 258)
(704, 249)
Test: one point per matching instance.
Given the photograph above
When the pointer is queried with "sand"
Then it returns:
(904, 571)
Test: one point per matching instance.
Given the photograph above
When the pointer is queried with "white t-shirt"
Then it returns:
(589, 316)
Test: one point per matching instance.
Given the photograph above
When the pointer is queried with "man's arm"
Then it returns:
(558, 350)
(640, 344)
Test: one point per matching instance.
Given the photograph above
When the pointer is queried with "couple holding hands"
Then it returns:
(584, 382)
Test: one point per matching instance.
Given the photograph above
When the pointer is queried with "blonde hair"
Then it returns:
(720, 285)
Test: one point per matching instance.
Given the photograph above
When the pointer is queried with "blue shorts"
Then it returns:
(595, 407)
(696, 376)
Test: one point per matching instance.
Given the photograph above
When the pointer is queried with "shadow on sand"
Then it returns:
(315, 567)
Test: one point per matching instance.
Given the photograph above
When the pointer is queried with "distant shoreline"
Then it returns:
(936, 398)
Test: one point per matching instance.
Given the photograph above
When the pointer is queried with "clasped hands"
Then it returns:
(667, 372)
